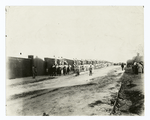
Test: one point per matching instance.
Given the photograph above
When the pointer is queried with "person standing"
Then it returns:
(34, 72)
(35, 69)
(142, 67)
(122, 66)
(136, 68)
(53, 70)
(77, 70)
(90, 70)
(74, 68)
(64, 70)
(139, 66)
(68, 69)
(58, 70)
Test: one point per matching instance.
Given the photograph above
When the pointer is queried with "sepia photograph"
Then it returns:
(74, 60)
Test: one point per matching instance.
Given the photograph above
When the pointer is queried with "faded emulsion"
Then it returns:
(75, 61)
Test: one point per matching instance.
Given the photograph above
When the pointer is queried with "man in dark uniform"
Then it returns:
(90, 70)
(122, 66)
(34, 71)
(68, 69)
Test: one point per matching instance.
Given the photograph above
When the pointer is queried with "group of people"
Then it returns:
(55, 70)
(58, 70)
(77, 70)
(138, 68)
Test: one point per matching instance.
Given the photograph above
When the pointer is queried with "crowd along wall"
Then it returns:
(22, 67)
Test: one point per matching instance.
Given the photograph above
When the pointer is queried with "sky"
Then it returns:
(112, 33)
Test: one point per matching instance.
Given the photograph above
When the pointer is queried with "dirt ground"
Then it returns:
(96, 97)
(131, 96)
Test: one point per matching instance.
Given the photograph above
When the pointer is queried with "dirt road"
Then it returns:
(66, 95)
